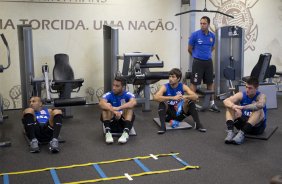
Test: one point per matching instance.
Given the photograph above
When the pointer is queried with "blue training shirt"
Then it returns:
(42, 116)
(118, 100)
(246, 101)
(173, 92)
(202, 44)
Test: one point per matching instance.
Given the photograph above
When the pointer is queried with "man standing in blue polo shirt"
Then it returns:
(201, 45)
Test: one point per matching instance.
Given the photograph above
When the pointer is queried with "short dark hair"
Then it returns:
(35, 96)
(207, 18)
(121, 79)
(253, 81)
(176, 72)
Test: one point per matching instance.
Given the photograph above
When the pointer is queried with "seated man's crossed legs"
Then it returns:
(114, 124)
(43, 131)
(167, 112)
(246, 125)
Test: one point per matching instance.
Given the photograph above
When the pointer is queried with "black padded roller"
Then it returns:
(69, 102)
(156, 75)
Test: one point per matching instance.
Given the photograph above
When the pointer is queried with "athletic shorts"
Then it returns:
(171, 114)
(202, 70)
(239, 123)
(117, 126)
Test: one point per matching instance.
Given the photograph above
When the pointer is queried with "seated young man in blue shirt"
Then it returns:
(172, 93)
(246, 111)
(117, 111)
(42, 124)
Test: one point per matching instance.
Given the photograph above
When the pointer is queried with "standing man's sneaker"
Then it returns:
(229, 137)
(54, 145)
(123, 138)
(109, 138)
(34, 148)
(214, 108)
(239, 138)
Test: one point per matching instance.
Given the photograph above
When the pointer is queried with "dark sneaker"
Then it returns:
(229, 137)
(202, 129)
(54, 145)
(199, 127)
(239, 138)
(161, 131)
(214, 108)
(34, 148)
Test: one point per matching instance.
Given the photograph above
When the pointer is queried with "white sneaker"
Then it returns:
(109, 138)
(34, 148)
(239, 138)
(123, 138)
(229, 137)
(54, 145)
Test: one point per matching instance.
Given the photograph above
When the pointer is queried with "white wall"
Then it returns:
(157, 31)
(184, 35)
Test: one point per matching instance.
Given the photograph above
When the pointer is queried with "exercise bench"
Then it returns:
(203, 92)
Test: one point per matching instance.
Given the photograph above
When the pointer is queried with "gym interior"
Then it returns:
(141, 41)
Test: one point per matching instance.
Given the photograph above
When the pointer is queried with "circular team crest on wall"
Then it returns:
(242, 18)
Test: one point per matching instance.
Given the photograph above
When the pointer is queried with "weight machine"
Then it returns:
(31, 86)
(135, 68)
(2, 117)
(229, 63)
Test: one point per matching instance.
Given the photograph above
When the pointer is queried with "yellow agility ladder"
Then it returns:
(103, 176)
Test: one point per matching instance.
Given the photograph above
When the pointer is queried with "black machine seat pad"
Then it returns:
(279, 73)
(156, 75)
(59, 84)
(204, 91)
(150, 78)
(63, 74)
(229, 73)
(62, 69)
(260, 69)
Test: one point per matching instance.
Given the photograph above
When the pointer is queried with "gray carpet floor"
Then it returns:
(256, 161)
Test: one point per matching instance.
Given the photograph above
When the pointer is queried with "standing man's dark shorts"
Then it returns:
(202, 70)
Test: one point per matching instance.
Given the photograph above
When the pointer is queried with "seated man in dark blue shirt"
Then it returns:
(170, 95)
(42, 124)
(246, 111)
(117, 111)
